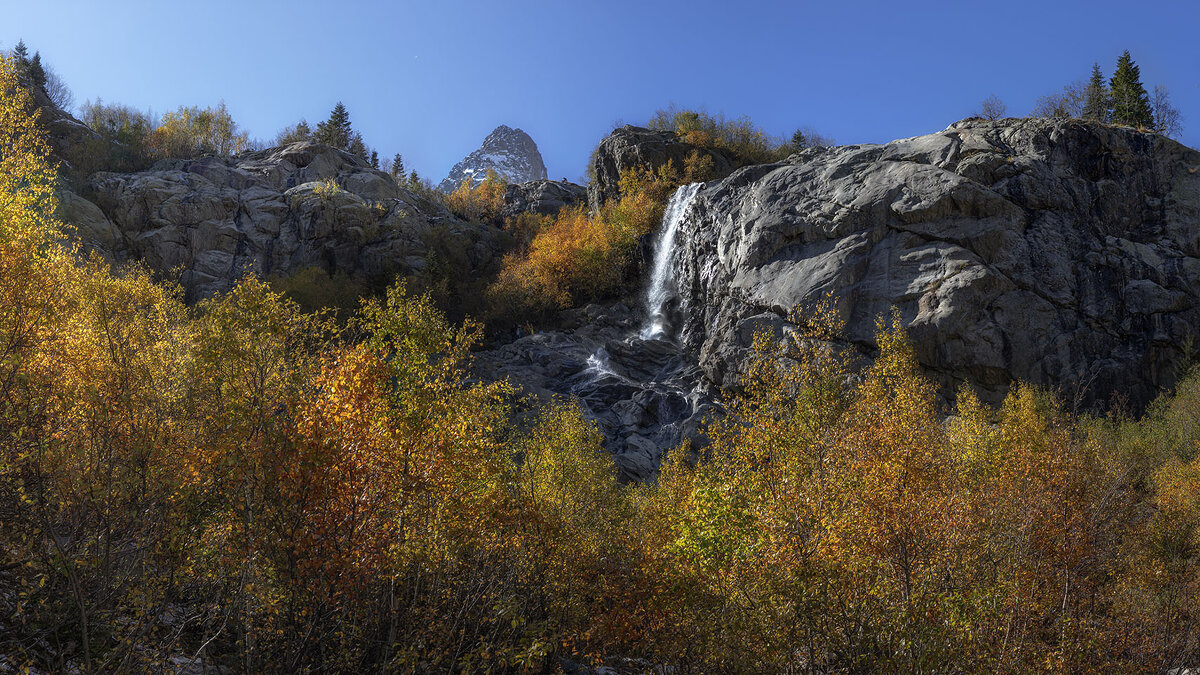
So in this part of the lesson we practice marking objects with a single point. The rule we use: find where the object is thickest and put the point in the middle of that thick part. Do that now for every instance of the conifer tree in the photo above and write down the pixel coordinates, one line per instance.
(397, 166)
(336, 130)
(21, 52)
(1130, 102)
(374, 159)
(1096, 98)
(36, 72)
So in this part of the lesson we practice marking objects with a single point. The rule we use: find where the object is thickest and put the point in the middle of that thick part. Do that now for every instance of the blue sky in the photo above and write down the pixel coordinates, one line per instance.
(431, 79)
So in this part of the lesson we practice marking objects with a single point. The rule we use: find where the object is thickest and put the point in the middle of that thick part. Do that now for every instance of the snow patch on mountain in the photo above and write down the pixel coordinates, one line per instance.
(510, 152)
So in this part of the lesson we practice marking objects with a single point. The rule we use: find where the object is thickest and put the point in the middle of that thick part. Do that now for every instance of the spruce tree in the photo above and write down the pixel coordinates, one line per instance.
(374, 160)
(335, 131)
(20, 54)
(1095, 97)
(36, 72)
(397, 166)
(1130, 102)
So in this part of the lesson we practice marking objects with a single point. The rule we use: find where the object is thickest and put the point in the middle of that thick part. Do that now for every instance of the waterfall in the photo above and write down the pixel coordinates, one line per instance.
(661, 286)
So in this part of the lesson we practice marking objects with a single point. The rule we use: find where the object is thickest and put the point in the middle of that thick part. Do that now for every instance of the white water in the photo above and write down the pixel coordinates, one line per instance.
(598, 363)
(661, 288)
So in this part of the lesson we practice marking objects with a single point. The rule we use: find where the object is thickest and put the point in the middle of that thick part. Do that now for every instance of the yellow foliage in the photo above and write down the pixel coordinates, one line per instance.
(193, 131)
(740, 139)
(478, 203)
(327, 189)
(245, 481)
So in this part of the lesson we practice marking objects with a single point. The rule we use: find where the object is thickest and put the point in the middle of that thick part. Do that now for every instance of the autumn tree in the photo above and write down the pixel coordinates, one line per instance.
(295, 133)
(740, 139)
(192, 132)
(1067, 103)
(124, 135)
(478, 203)
(1166, 116)
(992, 108)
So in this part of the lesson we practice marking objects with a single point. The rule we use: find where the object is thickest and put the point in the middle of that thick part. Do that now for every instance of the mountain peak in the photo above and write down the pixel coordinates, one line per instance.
(509, 152)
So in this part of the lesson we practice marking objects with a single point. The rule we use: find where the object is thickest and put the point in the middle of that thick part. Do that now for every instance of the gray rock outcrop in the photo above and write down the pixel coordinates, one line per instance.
(542, 197)
(631, 147)
(208, 222)
(511, 153)
(1058, 252)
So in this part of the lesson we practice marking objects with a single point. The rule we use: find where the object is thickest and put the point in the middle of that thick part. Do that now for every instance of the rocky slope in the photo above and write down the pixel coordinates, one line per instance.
(207, 222)
(1060, 252)
(510, 152)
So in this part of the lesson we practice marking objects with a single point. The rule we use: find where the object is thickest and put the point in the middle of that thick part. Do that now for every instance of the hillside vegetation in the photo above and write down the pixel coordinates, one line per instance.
(268, 490)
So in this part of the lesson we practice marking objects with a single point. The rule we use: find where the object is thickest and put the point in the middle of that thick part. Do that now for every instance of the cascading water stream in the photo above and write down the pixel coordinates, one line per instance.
(661, 286)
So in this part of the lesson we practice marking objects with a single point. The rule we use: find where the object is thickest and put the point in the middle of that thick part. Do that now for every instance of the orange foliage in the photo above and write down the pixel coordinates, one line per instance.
(478, 203)
(583, 256)
(249, 483)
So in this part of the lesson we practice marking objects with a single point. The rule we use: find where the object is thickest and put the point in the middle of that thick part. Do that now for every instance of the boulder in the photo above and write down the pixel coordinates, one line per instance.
(541, 197)
(631, 147)
(1058, 252)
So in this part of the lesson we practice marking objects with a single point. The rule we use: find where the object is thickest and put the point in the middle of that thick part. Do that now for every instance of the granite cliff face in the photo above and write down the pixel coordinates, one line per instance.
(1061, 253)
(510, 152)
(207, 222)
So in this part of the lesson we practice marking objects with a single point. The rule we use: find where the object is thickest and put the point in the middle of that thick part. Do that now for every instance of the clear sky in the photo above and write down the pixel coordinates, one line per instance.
(431, 79)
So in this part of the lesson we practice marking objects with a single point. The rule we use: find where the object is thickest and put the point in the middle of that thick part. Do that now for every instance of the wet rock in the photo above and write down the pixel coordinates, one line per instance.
(646, 396)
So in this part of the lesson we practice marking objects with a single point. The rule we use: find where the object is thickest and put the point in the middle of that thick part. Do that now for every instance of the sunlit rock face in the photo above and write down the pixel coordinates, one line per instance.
(208, 222)
(511, 153)
(1058, 252)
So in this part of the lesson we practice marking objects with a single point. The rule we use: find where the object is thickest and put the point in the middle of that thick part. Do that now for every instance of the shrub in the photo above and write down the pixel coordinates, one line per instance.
(740, 139)
(327, 189)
